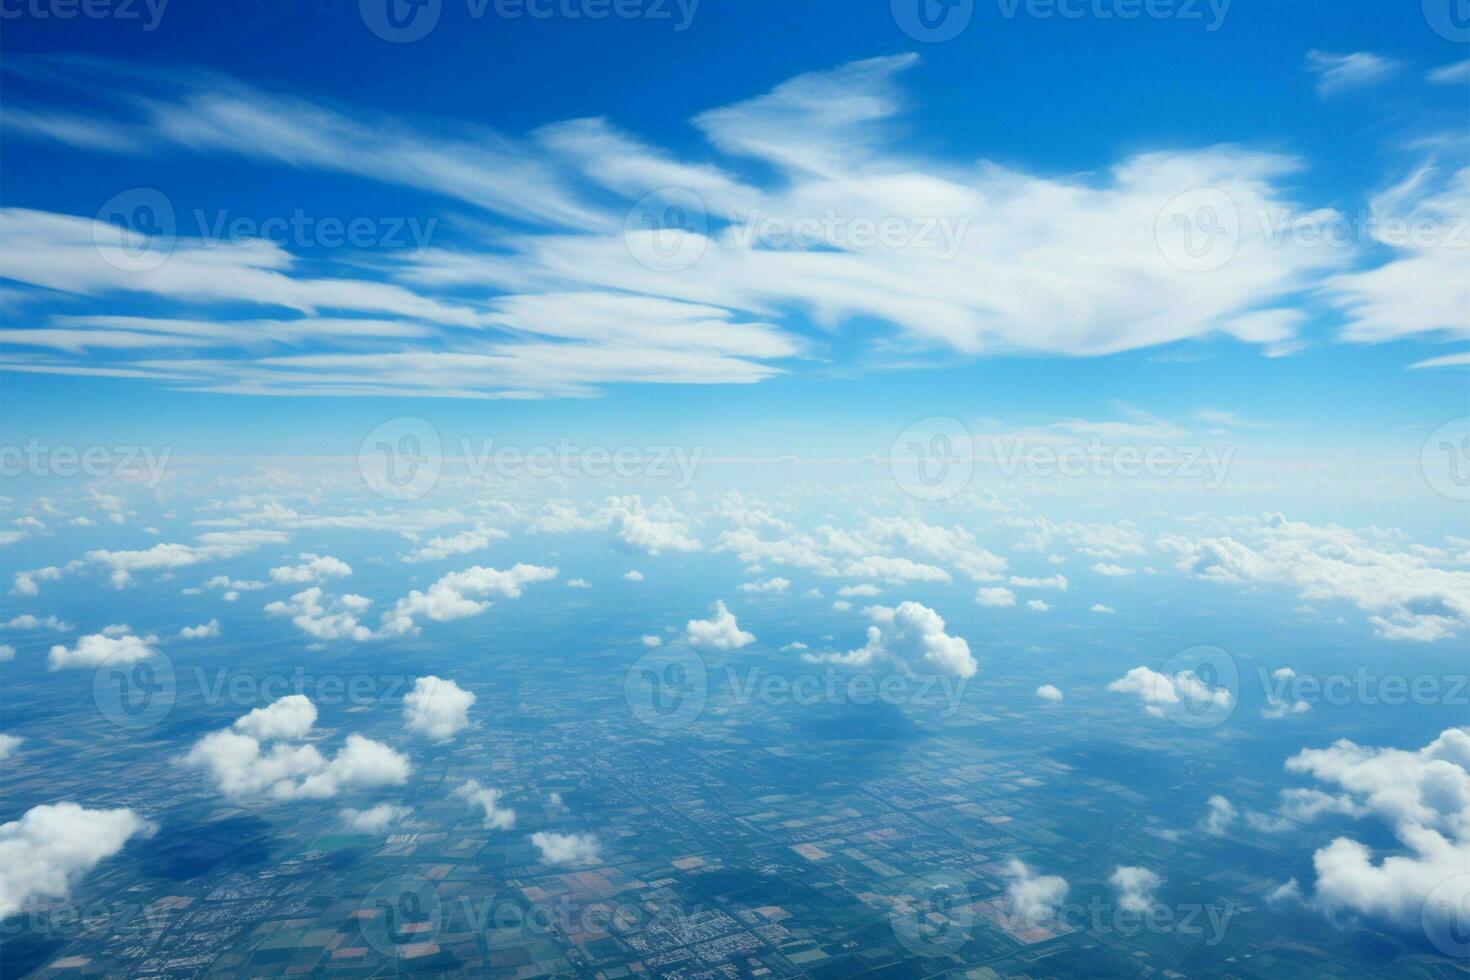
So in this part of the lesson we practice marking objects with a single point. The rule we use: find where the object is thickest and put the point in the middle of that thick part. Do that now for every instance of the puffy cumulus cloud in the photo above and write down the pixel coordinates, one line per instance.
(1408, 593)
(8, 745)
(1218, 818)
(910, 635)
(324, 617)
(290, 717)
(1033, 898)
(46, 851)
(996, 596)
(437, 708)
(375, 820)
(566, 848)
(1135, 887)
(1049, 692)
(461, 594)
(487, 801)
(633, 575)
(719, 632)
(7, 652)
(114, 645)
(477, 538)
(653, 530)
(201, 632)
(312, 568)
(1423, 796)
(242, 768)
(1038, 605)
(1111, 570)
(1158, 690)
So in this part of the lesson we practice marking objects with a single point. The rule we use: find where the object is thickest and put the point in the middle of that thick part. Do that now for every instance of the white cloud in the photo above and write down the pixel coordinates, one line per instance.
(1098, 607)
(290, 717)
(8, 745)
(769, 585)
(7, 652)
(1220, 816)
(1033, 899)
(242, 769)
(1407, 595)
(1423, 796)
(313, 569)
(212, 546)
(720, 632)
(325, 617)
(461, 594)
(375, 820)
(107, 647)
(865, 590)
(565, 848)
(1110, 570)
(200, 632)
(633, 576)
(650, 640)
(1135, 887)
(568, 288)
(1340, 72)
(487, 800)
(1037, 605)
(995, 596)
(1456, 73)
(1049, 692)
(1157, 690)
(29, 622)
(463, 543)
(1058, 582)
(910, 635)
(46, 851)
(578, 583)
(437, 708)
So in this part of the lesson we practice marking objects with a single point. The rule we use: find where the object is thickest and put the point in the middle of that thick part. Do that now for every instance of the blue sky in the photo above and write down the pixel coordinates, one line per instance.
(1309, 106)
